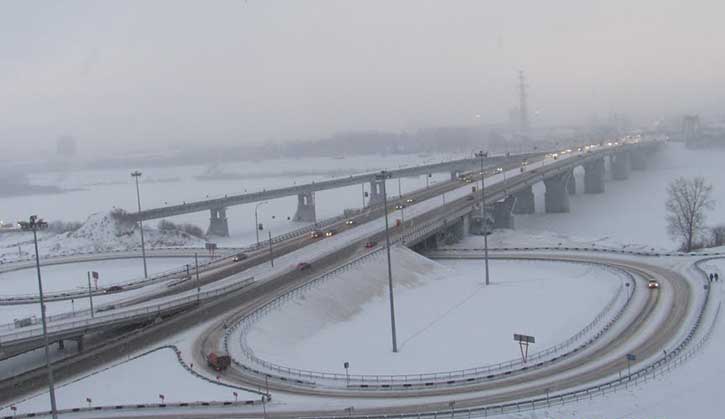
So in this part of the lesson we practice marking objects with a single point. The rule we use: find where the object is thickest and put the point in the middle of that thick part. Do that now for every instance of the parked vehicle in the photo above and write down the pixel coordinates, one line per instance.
(303, 266)
(218, 362)
(240, 256)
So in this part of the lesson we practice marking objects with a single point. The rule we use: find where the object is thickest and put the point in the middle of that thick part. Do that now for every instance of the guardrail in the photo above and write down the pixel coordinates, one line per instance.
(126, 315)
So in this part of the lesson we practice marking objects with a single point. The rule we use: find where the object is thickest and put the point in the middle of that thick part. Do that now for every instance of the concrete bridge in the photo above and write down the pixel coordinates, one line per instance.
(516, 196)
(219, 224)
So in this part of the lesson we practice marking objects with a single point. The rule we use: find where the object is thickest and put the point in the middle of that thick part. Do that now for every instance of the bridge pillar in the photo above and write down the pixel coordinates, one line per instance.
(79, 341)
(61, 345)
(524, 201)
(638, 159)
(594, 176)
(218, 225)
(376, 192)
(502, 217)
(306, 207)
(556, 198)
(620, 165)
(571, 184)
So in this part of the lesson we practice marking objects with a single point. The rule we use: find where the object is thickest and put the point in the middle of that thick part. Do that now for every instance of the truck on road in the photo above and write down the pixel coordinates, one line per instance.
(218, 362)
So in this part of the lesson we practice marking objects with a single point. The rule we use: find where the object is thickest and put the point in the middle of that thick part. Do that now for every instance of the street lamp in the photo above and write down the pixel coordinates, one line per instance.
(136, 174)
(484, 221)
(256, 220)
(34, 224)
(401, 207)
(384, 175)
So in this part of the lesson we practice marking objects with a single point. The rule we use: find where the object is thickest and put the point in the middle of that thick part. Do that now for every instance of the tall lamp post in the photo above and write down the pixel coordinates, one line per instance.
(136, 174)
(384, 175)
(256, 219)
(36, 223)
(484, 221)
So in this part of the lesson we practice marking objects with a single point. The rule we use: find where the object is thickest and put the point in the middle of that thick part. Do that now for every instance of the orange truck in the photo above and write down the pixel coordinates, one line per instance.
(218, 362)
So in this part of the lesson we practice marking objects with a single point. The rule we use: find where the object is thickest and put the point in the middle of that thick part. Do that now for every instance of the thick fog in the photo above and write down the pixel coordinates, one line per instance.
(138, 73)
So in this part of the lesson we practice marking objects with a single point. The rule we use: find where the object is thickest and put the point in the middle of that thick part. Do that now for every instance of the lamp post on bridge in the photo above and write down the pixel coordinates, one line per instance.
(484, 222)
(34, 224)
(137, 174)
(384, 176)
(256, 220)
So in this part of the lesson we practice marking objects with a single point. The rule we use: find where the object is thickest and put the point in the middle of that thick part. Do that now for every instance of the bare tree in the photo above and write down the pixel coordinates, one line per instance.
(687, 201)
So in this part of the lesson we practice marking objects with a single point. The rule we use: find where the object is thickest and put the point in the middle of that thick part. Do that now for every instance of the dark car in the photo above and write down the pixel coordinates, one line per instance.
(240, 256)
(114, 288)
(303, 266)
(316, 233)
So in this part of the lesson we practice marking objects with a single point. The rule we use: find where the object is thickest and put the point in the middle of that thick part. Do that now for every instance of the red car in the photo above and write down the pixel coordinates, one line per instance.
(370, 244)
(303, 265)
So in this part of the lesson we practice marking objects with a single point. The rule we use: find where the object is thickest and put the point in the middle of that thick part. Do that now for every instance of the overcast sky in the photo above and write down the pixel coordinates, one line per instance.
(160, 72)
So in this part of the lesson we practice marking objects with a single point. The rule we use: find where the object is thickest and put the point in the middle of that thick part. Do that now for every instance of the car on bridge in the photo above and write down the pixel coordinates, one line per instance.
(653, 284)
(331, 232)
(316, 234)
(349, 222)
(114, 288)
(371, 244)
(240, 257)
(409, 201)
(303, 266)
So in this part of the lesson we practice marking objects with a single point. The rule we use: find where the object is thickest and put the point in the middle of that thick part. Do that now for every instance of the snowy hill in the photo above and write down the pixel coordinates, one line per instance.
(101, 232)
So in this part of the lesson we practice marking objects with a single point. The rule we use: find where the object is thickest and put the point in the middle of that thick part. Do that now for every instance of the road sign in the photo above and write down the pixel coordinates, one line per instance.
(524, 341)
(524, 338)
(631, 357)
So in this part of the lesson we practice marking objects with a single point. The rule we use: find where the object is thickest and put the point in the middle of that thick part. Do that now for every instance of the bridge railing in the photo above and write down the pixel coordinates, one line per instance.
(126, 314)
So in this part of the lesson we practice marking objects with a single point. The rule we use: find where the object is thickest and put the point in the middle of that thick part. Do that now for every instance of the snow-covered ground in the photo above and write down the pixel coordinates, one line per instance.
(135, 381)
(73, 275)
(443, 314)
(690, 391)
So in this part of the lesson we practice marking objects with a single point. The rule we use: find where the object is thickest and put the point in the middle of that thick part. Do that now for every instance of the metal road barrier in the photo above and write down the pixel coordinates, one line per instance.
(125, 316)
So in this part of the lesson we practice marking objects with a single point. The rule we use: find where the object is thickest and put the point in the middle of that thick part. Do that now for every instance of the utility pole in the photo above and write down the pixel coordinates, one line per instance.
(90, 293)
(271, 253)
(136, 174)
(35, 222)
(256, 220)
(198, 288)
(484, 220)
(384, 175)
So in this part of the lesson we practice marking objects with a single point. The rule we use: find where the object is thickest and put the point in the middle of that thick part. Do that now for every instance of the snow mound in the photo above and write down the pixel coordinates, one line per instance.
(103, 232)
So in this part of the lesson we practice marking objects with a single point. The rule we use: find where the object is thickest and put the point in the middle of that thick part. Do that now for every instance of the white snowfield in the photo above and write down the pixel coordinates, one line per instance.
(433, 299)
